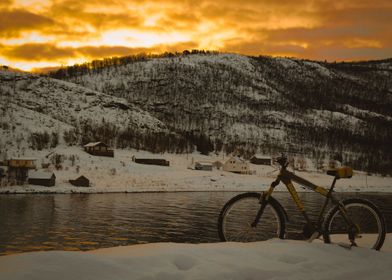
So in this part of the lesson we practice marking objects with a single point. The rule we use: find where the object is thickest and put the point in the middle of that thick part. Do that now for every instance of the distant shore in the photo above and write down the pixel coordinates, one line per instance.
(121, 175)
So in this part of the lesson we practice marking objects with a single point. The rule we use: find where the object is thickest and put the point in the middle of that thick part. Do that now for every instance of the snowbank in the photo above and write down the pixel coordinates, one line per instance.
(275, 259)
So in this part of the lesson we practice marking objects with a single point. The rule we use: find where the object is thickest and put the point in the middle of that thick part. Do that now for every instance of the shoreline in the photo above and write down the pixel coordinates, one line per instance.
(7, 192)
(119, 174)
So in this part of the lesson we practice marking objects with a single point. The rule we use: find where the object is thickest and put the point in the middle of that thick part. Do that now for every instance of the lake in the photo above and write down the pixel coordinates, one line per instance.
(31, 222)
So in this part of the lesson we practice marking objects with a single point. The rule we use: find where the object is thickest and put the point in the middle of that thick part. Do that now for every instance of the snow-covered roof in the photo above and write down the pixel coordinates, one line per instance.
(238, 159)
(22, 159)
(92, 144)
(203, 163)
(261, 156)
(40, 175)
(82, 177)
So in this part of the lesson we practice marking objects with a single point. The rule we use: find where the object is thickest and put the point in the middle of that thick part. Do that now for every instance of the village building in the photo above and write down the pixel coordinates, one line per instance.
(99, 149)
(261, 160)
(202, 165)
(300, 163)
(81, 181)
(236, 165)
(151, 161)
(18, 169)
(41, 178)
(218, 165)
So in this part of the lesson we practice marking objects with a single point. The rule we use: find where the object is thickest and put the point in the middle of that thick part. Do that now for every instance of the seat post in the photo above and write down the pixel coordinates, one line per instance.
(329, 196)
(333, 185)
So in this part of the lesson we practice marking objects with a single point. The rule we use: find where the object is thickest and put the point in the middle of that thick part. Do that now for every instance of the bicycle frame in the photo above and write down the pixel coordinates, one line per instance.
(287, 178)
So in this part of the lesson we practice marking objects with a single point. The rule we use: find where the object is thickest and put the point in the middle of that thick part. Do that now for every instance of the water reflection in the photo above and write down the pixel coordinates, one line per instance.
(90, 221)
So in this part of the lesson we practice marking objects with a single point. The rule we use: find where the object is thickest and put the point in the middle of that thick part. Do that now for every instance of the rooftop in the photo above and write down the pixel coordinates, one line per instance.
(40, 175)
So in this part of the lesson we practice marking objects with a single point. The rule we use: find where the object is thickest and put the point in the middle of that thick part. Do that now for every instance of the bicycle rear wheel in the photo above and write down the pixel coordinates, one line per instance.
(369, 225)
(237, 216)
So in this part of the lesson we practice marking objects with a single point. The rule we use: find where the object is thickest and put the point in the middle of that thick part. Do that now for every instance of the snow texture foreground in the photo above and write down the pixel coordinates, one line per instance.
(274, 259)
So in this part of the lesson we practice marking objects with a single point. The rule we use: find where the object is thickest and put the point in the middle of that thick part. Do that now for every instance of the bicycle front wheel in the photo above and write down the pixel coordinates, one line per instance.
(239, 213)
(368, 229)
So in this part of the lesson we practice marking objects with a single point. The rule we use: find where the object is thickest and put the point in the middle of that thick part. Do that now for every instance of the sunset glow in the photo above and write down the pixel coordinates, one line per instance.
(38, 33)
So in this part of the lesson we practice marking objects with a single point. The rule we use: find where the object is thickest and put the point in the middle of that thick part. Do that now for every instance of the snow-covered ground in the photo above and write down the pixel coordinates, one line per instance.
(120, 174)
(275, 259)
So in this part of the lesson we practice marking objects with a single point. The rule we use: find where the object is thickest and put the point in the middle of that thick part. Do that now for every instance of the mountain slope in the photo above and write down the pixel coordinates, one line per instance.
(39, 112)
(259, 104)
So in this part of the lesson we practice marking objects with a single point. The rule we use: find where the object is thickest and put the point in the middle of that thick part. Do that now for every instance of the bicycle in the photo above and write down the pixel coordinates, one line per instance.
(254, 216)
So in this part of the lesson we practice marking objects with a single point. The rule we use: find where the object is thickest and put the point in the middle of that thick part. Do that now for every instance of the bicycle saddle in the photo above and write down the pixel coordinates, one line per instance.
(341, 172)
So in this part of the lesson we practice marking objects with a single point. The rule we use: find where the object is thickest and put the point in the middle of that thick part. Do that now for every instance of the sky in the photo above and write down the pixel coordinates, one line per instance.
(37, 33)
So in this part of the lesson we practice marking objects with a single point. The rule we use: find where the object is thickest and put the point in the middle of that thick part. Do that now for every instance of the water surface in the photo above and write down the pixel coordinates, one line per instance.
(31, 222)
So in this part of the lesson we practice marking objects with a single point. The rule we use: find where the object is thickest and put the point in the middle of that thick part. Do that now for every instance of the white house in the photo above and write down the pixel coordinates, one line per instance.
(236, 165)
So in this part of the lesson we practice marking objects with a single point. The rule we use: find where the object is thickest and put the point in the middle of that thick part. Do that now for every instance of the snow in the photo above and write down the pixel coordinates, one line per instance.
(318, 68)
(40, 175)
(120, 174)
(239, 62)
(364, 113)
(325, 118)
(274, 259)
(286, 62)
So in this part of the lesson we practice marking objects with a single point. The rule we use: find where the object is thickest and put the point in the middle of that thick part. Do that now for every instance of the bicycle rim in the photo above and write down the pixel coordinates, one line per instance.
(368, 230)
(239, 216)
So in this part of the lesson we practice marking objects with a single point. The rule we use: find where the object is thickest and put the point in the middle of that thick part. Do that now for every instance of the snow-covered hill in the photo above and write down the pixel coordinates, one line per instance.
(40, 112)
(259, 103)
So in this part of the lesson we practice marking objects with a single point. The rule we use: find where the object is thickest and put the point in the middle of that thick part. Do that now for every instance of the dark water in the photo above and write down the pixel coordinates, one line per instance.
(89, 221)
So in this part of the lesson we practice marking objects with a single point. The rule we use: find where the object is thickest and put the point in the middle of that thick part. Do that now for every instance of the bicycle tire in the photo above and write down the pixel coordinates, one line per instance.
(243, 217)
(371, 220)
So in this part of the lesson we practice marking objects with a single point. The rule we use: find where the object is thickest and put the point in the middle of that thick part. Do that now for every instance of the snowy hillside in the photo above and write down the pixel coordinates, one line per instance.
(40, 112)
(258, 104)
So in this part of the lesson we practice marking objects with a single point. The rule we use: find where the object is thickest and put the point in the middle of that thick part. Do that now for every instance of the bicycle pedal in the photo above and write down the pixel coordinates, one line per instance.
(345, 245)
(314, 235)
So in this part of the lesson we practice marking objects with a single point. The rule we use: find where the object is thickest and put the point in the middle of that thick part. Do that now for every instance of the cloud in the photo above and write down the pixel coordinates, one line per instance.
(13, 22)
(36, 52)
(50, 52)
(78, 29)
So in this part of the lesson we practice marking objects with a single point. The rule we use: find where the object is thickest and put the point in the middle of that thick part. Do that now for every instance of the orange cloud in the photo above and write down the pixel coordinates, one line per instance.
(13, 22)
(64, 31)
(44, 52)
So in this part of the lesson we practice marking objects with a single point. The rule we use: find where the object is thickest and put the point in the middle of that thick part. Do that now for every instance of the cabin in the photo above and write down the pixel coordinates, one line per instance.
(99, 149)
(29, 163)
(151, 161)
(41, 178)
(206, 166)
(236, 165)
(300, 163)
(81, 181)
(218, 165)
(261, 160)
(18, 168)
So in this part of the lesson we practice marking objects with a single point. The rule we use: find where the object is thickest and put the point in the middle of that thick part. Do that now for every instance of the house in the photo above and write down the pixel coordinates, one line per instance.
(261, 160)
(236, 165)
(41, 178)
(99, 149)
(300, 163)
(29, 163)
(81, 181)
(217, 164)
(200, 165)
(151, 161)
(18, 168)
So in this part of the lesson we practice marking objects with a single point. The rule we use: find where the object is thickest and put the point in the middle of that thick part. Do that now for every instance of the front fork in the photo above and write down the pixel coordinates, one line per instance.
(353, 229)
(264, 200)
